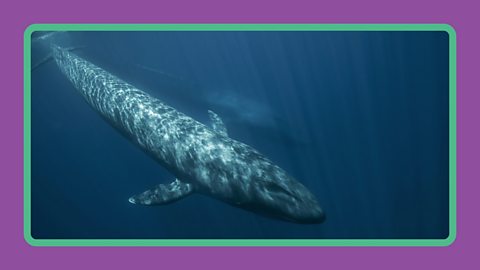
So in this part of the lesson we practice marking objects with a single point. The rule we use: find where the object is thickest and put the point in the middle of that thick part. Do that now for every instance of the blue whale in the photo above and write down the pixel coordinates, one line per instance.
(203, 159)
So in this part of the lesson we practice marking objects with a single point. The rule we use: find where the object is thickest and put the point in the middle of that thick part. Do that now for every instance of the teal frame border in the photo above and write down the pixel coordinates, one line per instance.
(241, 242)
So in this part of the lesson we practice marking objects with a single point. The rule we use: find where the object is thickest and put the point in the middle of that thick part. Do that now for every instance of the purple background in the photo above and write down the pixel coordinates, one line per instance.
(16, 16)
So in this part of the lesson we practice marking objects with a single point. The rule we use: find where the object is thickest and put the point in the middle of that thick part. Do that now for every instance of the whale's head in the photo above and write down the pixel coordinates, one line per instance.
(289, 200)
(240, 175)
(276, 194)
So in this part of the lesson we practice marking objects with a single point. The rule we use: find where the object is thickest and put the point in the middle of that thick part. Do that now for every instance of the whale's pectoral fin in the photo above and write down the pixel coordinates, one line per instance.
(217, 123)
(163, 194)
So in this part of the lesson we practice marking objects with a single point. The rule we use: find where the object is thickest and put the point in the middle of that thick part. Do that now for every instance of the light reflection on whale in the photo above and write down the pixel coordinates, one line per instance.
(203, 159)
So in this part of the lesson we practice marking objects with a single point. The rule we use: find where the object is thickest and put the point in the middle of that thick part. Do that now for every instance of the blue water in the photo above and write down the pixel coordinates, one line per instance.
(360, 118)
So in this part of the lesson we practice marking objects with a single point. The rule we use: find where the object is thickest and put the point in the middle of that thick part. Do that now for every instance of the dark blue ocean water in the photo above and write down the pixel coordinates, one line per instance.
(360, 118)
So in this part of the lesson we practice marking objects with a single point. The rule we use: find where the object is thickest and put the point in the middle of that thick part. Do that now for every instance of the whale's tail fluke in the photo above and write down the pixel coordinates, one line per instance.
(163, 194)
(42, 36)
(42, 43)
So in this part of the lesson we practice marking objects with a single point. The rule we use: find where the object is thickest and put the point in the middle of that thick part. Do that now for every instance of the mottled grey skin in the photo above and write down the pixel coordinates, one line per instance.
(204, 160)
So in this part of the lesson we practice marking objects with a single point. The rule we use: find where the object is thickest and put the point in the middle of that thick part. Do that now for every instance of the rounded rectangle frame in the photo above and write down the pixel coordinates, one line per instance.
(240, 242)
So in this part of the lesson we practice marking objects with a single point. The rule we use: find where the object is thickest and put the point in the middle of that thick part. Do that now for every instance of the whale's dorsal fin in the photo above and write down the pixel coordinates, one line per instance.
(163, 194)
(217, 123)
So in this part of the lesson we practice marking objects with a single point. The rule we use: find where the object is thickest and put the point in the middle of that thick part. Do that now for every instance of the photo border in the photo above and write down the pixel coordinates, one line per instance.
(241, 242)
